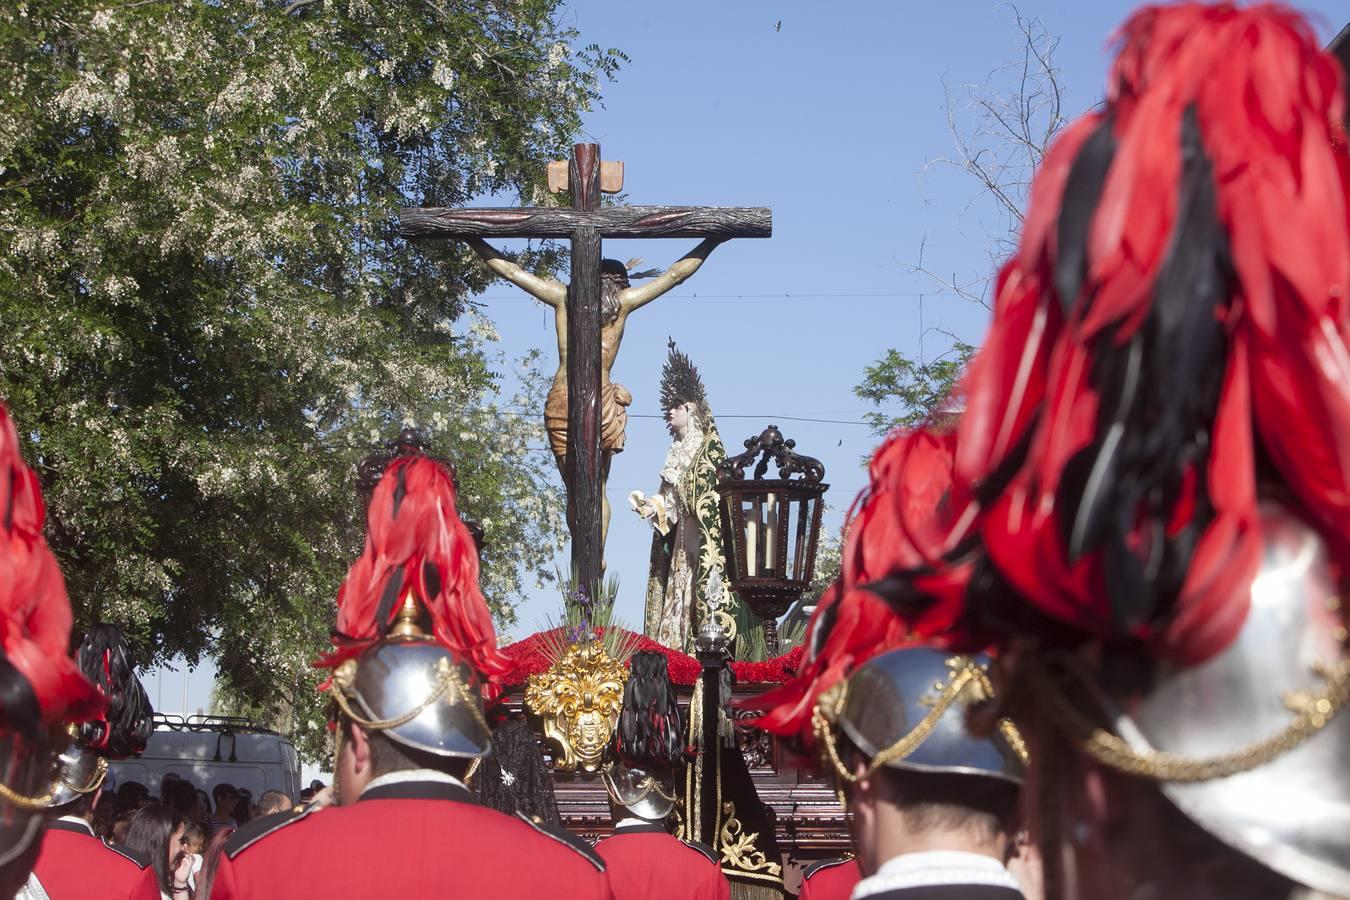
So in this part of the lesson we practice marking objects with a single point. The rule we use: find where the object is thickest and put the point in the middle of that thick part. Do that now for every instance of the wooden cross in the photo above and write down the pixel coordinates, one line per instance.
(585, 223)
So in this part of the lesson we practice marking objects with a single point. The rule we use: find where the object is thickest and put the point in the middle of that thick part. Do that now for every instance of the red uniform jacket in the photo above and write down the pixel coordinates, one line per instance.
(646, 862)
(412, 840)
(830, 879)
(75, 865)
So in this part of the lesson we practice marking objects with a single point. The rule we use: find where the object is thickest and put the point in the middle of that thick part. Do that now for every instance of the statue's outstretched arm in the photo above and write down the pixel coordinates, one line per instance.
(635, 297)
(546, 289)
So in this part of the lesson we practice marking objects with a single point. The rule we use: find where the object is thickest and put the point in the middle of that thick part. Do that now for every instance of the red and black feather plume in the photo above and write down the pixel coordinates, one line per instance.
(1187, 319)
(416, 545)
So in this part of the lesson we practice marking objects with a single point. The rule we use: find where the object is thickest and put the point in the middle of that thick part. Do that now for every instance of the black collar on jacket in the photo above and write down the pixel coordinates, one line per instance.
(419, 790)
(644, 828)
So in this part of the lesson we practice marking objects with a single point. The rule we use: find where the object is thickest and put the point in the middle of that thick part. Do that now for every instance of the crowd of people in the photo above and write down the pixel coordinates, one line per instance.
(181, 831)
(1088, 640)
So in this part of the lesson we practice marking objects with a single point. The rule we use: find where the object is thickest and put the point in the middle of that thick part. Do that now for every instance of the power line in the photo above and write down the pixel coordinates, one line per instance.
(768, 418)
(786, 295)
(765, 417)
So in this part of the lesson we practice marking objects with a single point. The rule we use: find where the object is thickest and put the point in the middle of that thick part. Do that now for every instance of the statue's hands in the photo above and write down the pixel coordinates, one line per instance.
(651, 508)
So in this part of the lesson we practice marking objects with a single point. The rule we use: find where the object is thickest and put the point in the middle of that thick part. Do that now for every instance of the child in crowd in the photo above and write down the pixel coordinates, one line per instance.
(195, 835)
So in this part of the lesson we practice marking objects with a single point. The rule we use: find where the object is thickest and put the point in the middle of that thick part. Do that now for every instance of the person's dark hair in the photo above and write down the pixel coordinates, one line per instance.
(272, 801)
(981, 807)
(105, 659)
(149, 833)
(529, 787)
(105, 813)
(650, 734)
(83, 805)
(224, 790)
(130, 795)
(243, 809)
(210, 861)
(180, 797)
(390, 756)
(118, 834)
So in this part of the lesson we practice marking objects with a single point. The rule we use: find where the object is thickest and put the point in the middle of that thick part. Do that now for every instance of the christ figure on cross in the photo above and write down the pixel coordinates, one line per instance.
(617, 300)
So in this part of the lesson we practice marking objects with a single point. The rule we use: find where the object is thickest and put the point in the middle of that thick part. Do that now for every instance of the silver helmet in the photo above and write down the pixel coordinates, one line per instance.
(81, 772)
(418, 693)
(647, 795)
(1254, 750)
(907, 709)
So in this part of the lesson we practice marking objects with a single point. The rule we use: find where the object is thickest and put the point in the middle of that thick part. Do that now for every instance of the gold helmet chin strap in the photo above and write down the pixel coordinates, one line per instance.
(647, 786)
(48, 800)
(1311, 712)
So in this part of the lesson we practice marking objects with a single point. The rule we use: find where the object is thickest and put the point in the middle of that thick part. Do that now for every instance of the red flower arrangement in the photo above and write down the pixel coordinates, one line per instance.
(528, 657)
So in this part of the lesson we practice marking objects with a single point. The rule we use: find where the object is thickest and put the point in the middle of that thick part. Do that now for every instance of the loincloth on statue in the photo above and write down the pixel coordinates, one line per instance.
(614, 400)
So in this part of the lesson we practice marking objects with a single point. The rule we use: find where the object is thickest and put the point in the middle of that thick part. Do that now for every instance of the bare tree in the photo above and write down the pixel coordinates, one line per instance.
(1000, 129)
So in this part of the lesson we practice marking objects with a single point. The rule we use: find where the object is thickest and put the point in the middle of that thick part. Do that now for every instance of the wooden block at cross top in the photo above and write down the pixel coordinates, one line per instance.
(611, 176)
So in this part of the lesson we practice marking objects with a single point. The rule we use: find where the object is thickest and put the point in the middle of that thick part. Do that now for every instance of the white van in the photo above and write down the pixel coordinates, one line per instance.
(210, 750)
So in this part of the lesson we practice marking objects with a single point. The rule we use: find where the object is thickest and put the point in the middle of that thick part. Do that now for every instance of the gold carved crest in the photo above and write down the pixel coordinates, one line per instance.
(579, 699)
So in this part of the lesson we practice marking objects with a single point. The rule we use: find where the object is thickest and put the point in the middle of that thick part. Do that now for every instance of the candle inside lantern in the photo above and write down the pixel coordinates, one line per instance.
(771, 533)
(751, 544)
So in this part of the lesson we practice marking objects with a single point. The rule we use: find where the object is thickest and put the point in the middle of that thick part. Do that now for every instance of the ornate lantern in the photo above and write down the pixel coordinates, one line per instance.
(770, 526)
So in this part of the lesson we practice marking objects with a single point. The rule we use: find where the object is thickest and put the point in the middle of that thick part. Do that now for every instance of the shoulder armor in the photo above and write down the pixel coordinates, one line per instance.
(820, 865)
(247, 835)
(704, 849)
(140, 859)
(562, 836)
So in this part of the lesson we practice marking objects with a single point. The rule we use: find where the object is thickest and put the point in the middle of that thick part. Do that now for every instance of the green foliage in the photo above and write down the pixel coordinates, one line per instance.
(791, 634)
(906, 391)
(829, 558)
(207, 315)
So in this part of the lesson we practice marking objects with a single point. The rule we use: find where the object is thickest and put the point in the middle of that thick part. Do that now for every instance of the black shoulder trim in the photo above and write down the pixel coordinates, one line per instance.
(140, 859)
(565, 837)
(705, 850)
(247, 835)
(822, 864)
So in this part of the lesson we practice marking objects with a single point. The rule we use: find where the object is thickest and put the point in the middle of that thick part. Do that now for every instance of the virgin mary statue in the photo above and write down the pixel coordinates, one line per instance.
(685, 582)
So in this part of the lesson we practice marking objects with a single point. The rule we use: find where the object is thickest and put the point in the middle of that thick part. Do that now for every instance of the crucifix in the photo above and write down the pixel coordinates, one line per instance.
(586, 346)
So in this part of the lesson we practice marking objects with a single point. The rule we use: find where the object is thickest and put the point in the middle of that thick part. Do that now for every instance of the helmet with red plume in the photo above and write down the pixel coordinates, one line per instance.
(414, 638)
(40, 686)
(1159, 413)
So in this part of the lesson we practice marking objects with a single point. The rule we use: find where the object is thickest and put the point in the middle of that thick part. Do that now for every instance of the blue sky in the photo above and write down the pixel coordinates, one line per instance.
(834, 119)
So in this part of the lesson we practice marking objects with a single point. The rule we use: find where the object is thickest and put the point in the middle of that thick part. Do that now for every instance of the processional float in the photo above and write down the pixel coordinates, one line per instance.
(753, 555)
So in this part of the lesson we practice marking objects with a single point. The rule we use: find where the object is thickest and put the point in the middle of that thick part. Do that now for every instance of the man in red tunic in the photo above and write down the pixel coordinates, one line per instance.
(830, 879)
(643, 858)
(414, 639)
(74, 863)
